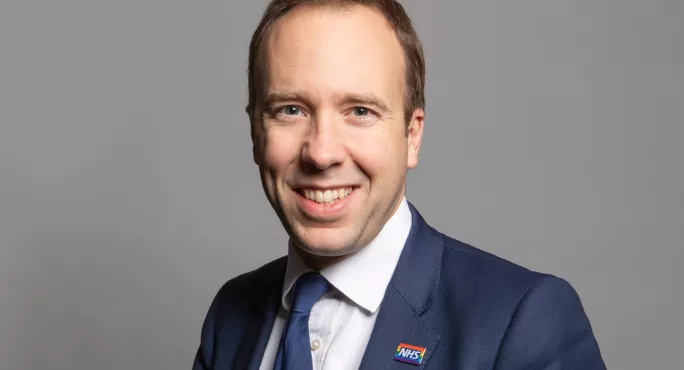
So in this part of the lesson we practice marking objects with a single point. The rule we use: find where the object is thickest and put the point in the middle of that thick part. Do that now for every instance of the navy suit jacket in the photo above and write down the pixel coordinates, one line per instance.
(468, 308)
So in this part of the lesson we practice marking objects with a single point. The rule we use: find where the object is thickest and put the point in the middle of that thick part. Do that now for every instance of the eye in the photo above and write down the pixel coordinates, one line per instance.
(360, 111)
(291, 110)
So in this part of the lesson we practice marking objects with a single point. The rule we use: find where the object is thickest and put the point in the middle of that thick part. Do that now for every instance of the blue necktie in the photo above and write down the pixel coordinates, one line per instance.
(294, 351)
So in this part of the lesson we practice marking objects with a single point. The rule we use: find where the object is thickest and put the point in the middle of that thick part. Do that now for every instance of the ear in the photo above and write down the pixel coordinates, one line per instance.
(255, 154)
(414, 133)
(255, 151)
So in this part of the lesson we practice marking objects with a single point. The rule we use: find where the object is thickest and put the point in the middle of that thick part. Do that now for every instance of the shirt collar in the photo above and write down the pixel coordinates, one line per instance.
(362, 277)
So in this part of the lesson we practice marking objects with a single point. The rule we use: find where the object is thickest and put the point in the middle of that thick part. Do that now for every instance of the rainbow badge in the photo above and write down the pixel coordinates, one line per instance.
(409, 354)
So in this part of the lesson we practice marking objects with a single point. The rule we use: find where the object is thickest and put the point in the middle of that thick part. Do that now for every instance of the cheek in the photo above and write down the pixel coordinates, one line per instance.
(279, 148)
(382, 155)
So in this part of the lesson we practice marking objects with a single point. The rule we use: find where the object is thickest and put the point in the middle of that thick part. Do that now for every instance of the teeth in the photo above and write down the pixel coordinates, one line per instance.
(327, 196)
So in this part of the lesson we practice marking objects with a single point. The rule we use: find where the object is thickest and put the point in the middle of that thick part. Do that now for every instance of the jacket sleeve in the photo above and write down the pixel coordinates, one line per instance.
(549, 331)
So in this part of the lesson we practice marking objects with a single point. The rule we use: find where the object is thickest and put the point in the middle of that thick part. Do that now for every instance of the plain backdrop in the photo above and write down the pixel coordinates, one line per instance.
(128, 194)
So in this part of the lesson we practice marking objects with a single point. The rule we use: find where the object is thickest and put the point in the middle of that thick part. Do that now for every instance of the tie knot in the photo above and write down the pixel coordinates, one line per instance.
(307, 290)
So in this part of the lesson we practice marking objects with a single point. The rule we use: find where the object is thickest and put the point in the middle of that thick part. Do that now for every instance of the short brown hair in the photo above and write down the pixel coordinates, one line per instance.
(397, 18)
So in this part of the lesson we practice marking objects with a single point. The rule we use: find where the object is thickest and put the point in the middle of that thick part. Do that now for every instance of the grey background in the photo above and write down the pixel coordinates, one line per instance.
(128, 195)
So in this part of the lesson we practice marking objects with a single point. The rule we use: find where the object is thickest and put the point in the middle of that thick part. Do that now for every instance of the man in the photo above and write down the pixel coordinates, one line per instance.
(337, 111)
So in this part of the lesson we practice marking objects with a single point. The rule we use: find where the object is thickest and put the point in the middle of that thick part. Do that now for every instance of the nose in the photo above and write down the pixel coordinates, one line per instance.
(324, 147)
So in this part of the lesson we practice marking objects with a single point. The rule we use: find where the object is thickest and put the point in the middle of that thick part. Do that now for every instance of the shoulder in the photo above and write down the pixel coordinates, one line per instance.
(235, 301)
(492, 281)
(238, 297)
(538, 317)
(487, 267)
(251, 286)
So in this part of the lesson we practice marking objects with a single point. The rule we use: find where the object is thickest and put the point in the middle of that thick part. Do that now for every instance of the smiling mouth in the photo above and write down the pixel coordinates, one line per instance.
(329, 196)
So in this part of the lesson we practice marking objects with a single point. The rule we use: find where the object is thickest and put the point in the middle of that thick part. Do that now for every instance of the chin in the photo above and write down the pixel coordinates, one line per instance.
(326, 244)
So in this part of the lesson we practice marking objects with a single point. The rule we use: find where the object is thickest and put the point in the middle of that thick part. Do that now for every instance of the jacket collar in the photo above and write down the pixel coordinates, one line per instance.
(418, 270)
(409, 295)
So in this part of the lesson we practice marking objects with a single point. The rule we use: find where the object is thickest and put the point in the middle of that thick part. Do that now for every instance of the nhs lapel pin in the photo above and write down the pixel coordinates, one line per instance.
(409, 354)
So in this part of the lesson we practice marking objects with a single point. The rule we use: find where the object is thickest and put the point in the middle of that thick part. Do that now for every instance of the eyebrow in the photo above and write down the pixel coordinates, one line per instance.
(344, 98)
(280, 96)
(363, 99)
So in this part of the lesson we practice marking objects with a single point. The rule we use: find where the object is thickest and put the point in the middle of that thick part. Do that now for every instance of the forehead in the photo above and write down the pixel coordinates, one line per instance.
(328, 51)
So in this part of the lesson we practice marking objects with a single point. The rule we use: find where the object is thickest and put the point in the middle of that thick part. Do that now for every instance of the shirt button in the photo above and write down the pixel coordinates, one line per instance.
(315, 344)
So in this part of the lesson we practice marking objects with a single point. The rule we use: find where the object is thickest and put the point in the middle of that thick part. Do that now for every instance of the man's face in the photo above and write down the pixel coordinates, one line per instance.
(329, 127)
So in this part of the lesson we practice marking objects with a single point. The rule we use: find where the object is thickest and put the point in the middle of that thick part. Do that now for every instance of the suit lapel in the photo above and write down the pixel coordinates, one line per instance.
(260, 331)
(259, 324)
(407, 298)
(396, 323)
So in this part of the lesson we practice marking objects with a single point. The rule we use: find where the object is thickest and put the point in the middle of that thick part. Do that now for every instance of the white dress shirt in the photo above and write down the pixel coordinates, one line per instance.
(341, 321)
